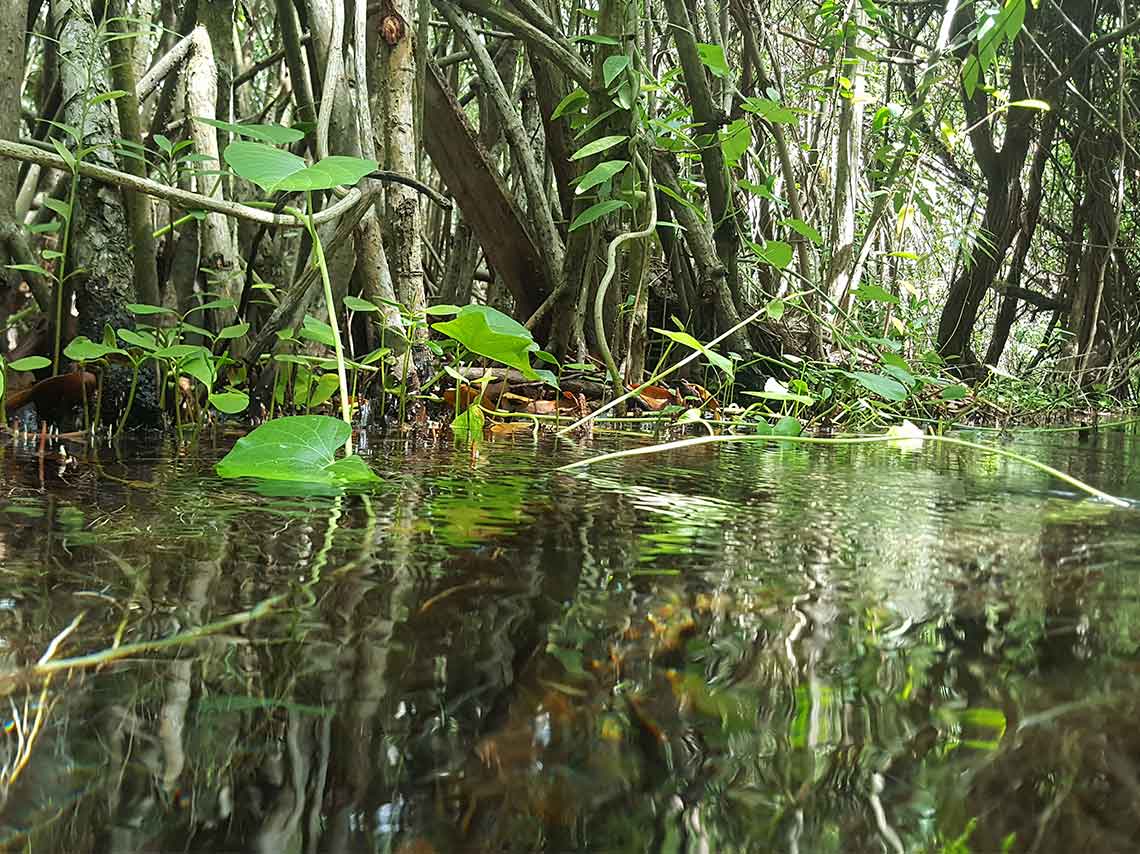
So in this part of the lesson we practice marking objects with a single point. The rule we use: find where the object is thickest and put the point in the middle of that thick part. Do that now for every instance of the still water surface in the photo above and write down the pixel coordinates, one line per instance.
(725, 649)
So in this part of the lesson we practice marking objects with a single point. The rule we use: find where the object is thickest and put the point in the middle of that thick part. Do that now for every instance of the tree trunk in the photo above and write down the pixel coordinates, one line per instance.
(99, 241)
(393, 77)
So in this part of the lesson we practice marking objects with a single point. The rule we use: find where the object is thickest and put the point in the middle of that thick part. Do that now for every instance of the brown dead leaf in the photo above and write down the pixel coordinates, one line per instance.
(655, 397)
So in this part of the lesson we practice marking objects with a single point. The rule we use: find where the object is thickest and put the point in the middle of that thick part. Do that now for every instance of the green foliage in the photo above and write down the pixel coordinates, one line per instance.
(274, 169)
(300, 448)
(488, 332)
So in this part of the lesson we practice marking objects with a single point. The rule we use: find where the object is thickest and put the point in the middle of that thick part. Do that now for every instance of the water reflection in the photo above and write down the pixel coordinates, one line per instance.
(729, 649)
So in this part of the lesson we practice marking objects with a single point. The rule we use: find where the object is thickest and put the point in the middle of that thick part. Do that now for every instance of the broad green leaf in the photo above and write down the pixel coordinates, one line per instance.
(138, 339)
(769, 110)
(712, 57)
(596, 212)
(230, 402)
(300, 448)
(613, 66)
(901, 374)
(775, 309)
(276, 134)
(60, 207)
(788, 426)
(884, 386)
(597, 146)
(316, 330)
(955, 392)
(327, 386)
(201, 368)
(333, 171)
(30, 363)
(83, 349)
(488, 332)
(357, 304)
(262, 164)
(873, 293)
(734, 141)
(601, 173)
(237, 330)
(802, 228)
(774, 252)
(443, 309)
(570, 101)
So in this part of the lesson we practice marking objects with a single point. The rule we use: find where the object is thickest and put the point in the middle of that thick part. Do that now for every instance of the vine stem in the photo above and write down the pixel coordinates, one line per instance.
(853, 440)
(330, 305)
(611, 269)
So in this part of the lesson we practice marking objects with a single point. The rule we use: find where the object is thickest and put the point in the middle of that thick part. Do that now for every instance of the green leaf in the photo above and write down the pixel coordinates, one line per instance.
(224, 303)
(488, 332)
(1031, 104)
(333, 171)
(774, 252)
(237, 330)
(64, 153)
(901, 374)
(596, 212)
(769, 110)
(28, 268)
(596, 39)
(299, 448)
(955, 392)
(886, 387)
(357, 304)
(734, 141)
(873, 293)
(576, 96)
(83, 349)
(688, 340)
(201, 368)
(444, 309)
(327, 386)
(113, 95)
(316, 330)
(469, 422)
(775, 309)
(30, 363)
(613, 66)
(601, 173)
(712, 57)
(802, 228)
(230, 402)
(138, 339)
(60, 207)
(788, 426)
(144, 309)
(276, 134)
(262, 164)
(597, 146)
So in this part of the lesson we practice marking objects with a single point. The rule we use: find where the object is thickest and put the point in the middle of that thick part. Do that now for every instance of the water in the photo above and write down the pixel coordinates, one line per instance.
(722, 649)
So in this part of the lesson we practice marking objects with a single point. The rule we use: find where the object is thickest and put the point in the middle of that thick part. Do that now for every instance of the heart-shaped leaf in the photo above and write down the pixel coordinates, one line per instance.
(299, 448)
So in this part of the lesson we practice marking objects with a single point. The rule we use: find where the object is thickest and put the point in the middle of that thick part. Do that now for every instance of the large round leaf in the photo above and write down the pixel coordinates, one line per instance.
(488, 332)
(300, 448)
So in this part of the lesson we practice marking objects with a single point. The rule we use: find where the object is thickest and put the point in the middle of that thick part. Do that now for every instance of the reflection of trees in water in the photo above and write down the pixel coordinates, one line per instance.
(622, 670)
